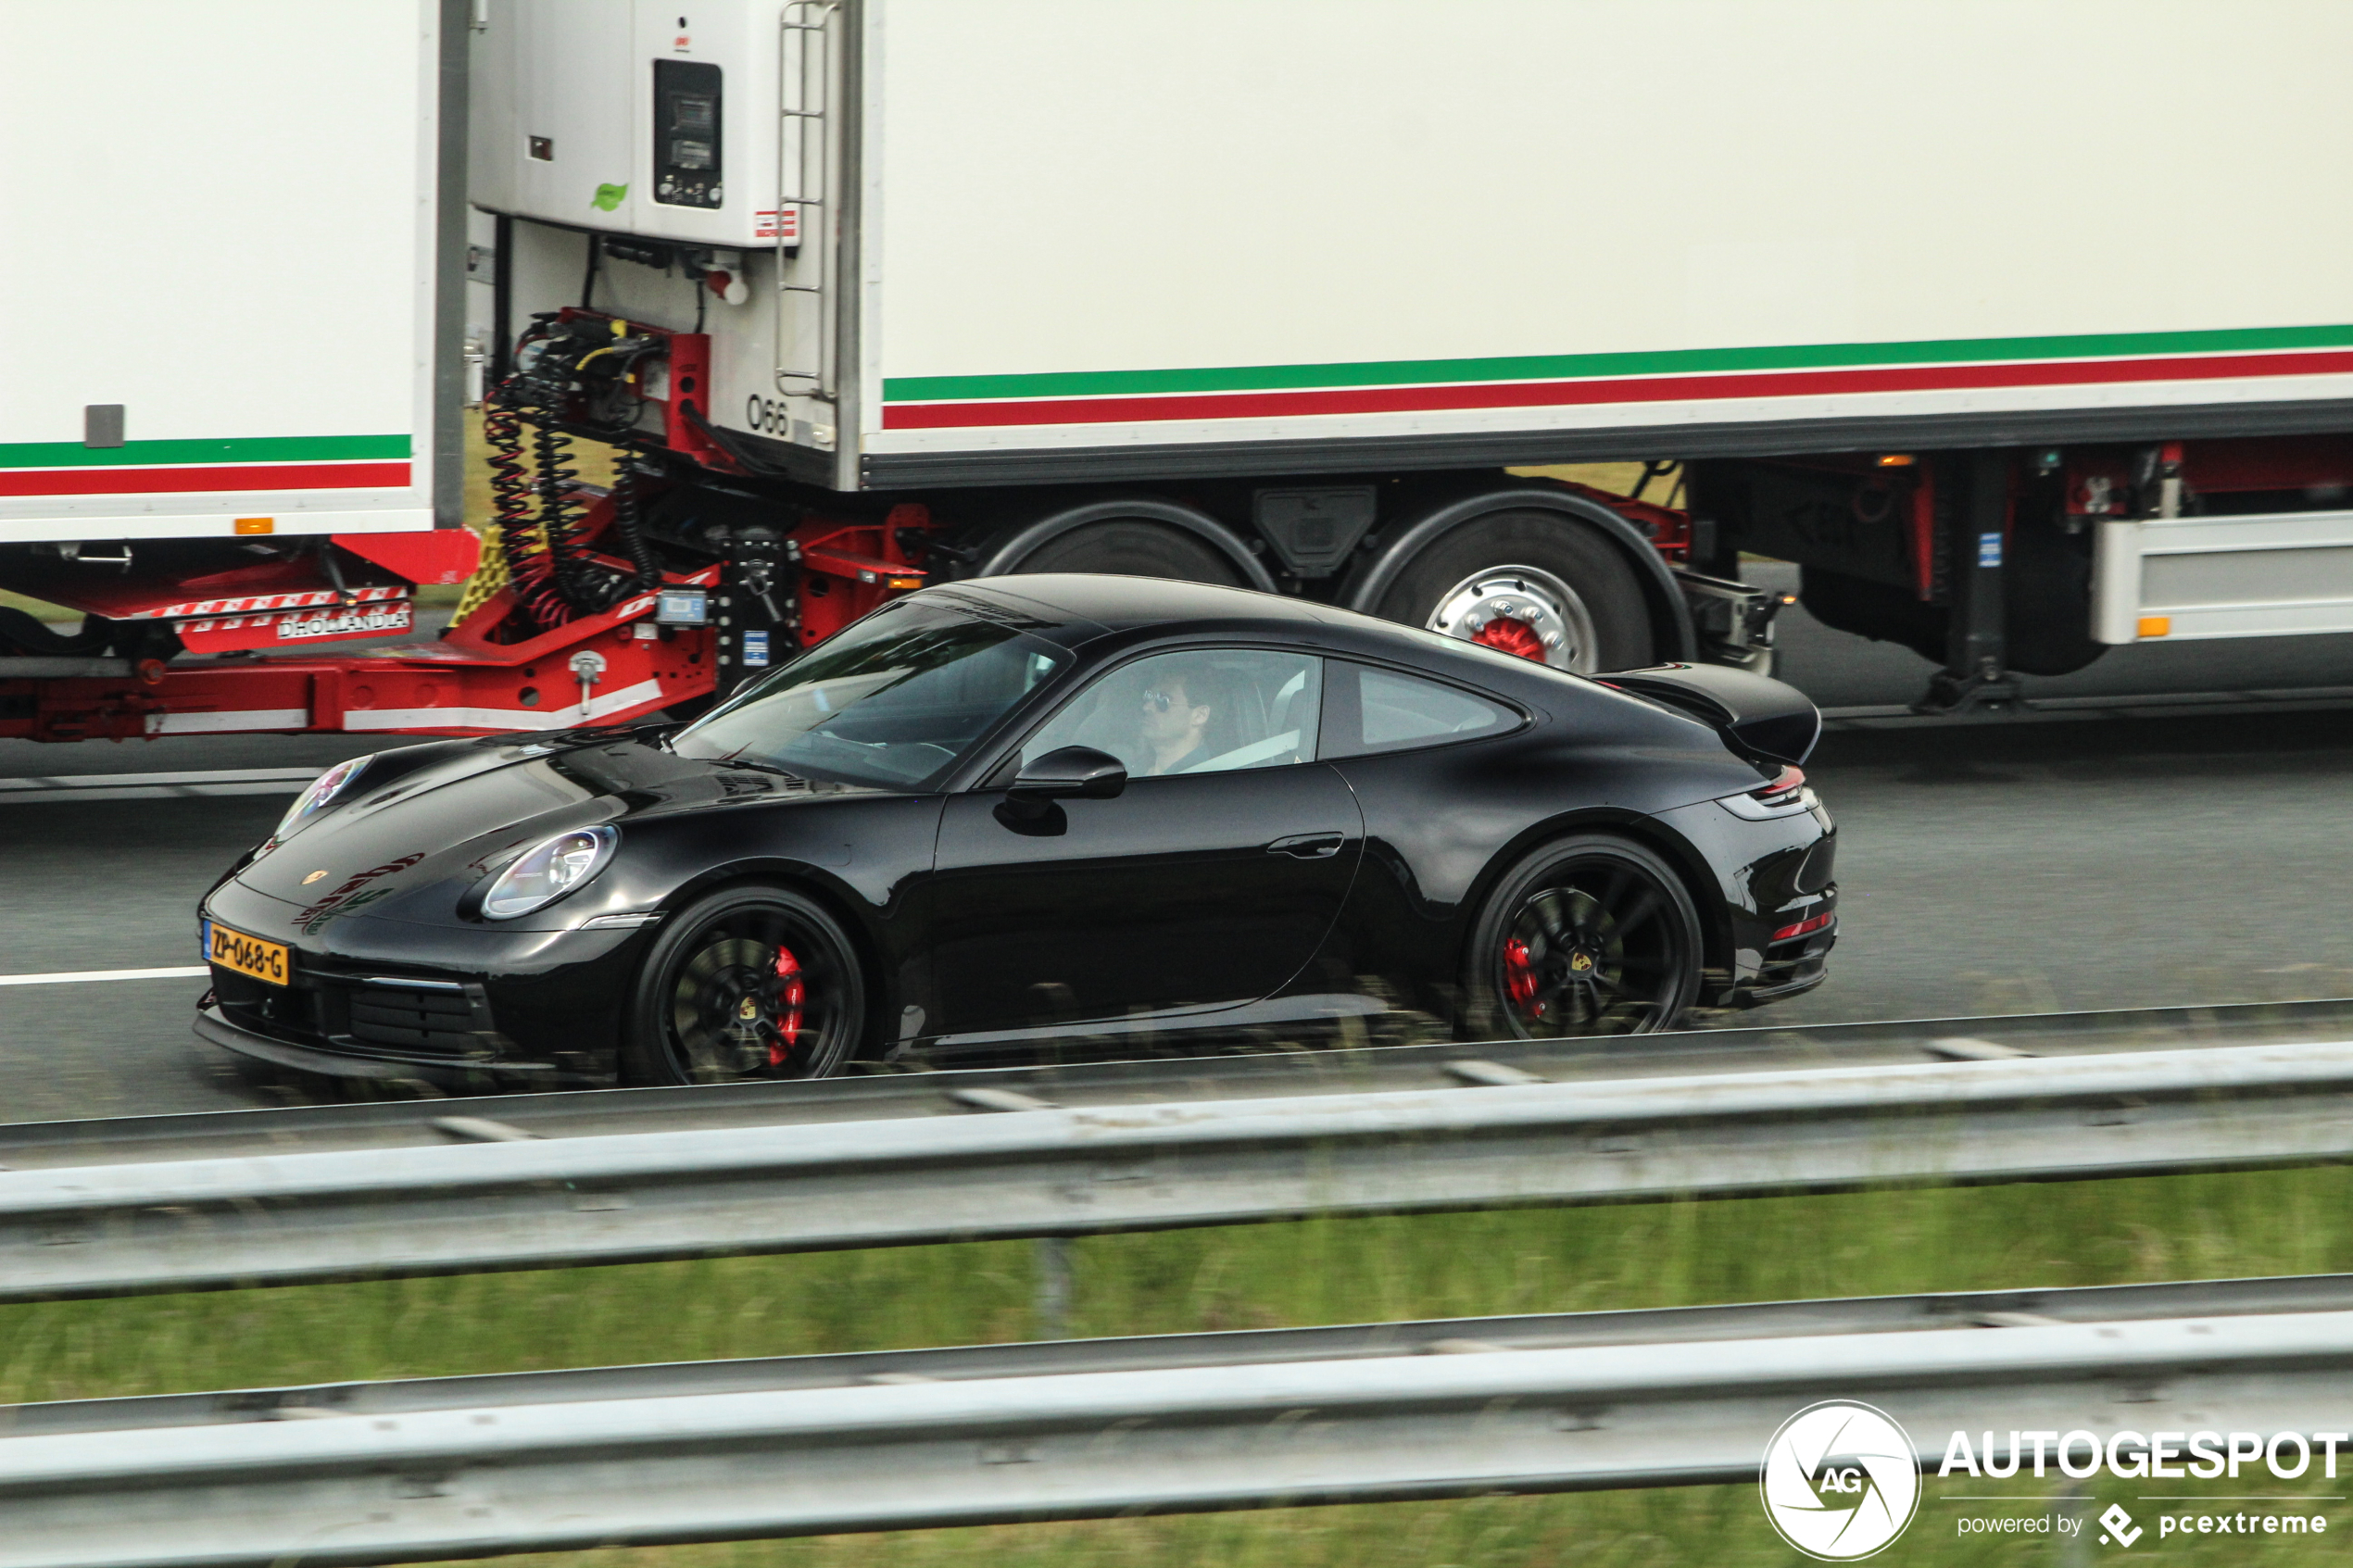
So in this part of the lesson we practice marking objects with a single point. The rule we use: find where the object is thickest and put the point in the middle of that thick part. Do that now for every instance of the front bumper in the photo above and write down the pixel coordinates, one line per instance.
(387, 999)
(214, 1027)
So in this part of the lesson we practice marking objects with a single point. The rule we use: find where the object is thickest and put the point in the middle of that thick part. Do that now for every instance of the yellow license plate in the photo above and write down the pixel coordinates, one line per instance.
(250, 955)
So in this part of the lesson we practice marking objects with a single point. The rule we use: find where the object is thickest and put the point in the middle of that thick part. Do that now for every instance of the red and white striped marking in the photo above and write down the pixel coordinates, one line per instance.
(253, 602)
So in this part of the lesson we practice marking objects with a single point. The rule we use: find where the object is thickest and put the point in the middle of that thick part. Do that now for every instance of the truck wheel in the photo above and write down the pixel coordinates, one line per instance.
(1590, 934)
(748, 983)
(1532, 582)
(1134, 548)
(1128, 537)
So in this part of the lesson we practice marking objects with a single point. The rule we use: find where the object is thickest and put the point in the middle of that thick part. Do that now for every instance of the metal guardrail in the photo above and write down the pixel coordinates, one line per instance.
(1502, 1138)
(416, 1471)
(411, 1123)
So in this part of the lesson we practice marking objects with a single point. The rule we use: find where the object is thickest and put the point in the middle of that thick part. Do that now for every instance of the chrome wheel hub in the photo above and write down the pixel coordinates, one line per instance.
(1520, 610)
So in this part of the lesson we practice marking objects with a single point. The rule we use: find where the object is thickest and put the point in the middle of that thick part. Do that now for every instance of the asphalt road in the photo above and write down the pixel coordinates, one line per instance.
(2150, 858)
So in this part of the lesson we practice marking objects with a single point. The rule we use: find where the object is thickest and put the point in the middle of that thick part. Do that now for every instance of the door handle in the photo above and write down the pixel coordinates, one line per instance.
(1309, 845)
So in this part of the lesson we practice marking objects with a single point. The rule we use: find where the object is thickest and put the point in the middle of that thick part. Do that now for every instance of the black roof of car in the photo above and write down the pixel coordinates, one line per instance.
(1077, 608)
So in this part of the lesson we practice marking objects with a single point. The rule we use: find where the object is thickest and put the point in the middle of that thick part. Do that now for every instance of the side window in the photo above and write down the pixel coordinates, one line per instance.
(1204, 710)
(1380, 710)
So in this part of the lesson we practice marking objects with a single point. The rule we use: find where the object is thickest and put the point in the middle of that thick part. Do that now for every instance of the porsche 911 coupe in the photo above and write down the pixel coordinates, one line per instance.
(1069, 813)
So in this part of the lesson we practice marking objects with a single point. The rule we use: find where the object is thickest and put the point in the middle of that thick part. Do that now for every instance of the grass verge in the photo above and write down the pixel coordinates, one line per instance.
(1324, 1271)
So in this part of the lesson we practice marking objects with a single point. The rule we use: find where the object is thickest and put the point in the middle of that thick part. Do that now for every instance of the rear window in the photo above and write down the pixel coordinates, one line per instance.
(1370, 710)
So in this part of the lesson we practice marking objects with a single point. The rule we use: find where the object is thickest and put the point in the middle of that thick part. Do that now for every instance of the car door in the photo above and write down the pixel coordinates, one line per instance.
(1208, 883)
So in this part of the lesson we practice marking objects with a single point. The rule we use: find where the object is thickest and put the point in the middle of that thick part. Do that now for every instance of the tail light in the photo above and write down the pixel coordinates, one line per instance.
(1783, 790)
(1786, 797)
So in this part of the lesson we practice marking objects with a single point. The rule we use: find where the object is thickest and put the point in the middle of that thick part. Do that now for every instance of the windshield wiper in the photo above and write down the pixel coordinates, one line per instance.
(746, 762)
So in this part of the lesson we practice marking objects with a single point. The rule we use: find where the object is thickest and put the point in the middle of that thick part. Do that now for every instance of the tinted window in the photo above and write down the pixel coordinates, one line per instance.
(1204, 710)
(890, 701)
(1381, 710)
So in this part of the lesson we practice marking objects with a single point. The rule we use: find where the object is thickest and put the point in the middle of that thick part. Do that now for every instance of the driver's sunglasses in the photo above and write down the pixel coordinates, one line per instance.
(1159, 702)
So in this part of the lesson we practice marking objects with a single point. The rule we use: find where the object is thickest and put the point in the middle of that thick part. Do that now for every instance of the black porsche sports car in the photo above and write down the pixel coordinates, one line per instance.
(1110, 813)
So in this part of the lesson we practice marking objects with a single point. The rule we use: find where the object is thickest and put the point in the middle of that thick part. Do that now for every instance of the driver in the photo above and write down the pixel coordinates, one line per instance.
(1175, 724)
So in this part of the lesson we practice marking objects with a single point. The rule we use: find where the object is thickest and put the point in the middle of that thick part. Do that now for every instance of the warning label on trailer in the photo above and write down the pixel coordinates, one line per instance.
(357, 620)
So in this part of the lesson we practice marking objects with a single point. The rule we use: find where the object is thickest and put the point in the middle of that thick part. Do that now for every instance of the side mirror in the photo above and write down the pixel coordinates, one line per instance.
(1075, 772)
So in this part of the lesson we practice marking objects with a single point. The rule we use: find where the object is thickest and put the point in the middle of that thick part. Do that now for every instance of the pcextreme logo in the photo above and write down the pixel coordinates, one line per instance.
(1840, 1480)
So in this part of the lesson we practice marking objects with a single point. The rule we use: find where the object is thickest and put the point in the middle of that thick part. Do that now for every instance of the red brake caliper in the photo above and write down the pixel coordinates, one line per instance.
(1512, 636)
(1519, 974)
(790, 992)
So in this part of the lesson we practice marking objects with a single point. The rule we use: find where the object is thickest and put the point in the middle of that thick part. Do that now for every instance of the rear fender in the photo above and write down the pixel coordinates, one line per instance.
(1698, 878)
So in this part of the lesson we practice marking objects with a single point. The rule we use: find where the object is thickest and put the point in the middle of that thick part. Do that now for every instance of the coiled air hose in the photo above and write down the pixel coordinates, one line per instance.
(537, 519)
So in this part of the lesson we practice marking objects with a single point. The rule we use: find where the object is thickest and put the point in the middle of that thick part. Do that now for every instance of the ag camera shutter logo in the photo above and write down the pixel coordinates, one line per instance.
(1840, 1480)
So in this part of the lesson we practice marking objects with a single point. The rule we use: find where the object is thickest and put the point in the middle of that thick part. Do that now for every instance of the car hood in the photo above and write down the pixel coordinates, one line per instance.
(426, 824)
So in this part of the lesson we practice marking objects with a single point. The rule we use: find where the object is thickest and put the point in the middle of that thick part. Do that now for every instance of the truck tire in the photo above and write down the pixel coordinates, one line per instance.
(1135, 536)
(1134, 548)
(1537, 583)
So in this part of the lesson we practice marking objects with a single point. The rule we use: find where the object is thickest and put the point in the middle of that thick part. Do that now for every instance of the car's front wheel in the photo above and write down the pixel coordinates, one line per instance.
(745, 983)
(1590, 934)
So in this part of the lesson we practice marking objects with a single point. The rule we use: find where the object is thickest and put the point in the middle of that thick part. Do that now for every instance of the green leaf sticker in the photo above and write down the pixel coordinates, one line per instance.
(609, 197)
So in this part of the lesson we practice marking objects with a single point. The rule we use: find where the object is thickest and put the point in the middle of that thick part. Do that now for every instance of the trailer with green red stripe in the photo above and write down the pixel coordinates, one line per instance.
(230, 447)
(1291, 294)
(1279, 295)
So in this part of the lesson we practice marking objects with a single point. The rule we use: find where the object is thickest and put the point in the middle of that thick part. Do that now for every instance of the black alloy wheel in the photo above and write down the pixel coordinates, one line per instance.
(747, 983)
(1589, 936)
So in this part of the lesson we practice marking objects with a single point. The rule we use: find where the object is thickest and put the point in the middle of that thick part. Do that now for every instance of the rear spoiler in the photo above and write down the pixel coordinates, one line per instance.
(1759, 717)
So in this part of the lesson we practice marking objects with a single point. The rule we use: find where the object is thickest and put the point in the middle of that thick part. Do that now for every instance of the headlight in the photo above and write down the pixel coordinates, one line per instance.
(321, 790)
(548, 871)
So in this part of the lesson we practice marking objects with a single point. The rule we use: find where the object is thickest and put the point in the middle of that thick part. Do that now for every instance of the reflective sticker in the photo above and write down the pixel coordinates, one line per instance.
(1989, 549)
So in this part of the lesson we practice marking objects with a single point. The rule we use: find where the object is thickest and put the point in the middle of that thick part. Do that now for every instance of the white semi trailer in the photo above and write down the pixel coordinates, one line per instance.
(233, 246)
(1271, 291)
(2023, 329)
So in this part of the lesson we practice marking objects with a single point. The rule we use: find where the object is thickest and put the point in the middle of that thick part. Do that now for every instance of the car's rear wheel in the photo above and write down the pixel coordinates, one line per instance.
(747, 983)
(1591, 935)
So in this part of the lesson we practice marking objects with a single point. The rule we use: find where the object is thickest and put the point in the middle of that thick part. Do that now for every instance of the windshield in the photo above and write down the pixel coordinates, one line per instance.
(891, 701)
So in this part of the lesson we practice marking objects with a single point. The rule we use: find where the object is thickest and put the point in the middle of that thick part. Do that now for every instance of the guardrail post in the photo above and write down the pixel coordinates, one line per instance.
(2074, 1552)
(1053, 1313)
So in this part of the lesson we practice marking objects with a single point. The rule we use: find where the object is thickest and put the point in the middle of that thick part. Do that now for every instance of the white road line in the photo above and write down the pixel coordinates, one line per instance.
(155, 787)
(72, 976)
(210, 776)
